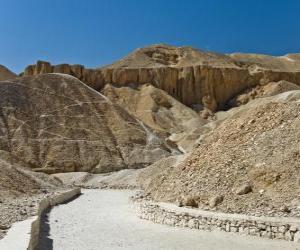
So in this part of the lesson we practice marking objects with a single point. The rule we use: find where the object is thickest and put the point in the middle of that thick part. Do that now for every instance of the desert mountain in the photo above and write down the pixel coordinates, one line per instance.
(5, 73)
(249, 162)
(55, 123)
(196, 78)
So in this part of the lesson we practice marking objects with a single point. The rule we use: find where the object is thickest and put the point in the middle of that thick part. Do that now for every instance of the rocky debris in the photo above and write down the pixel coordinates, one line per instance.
(6, 74)
(158, 110)
(55, 123)
(20, 191)
(270, 89)
(243, 189)
(257, 143)
(187, 74)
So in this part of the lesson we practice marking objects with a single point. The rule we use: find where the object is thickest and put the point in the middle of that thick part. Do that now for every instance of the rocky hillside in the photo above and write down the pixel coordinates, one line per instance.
(158, 110)
(55, 123)
(17, 180)
(5, 73)
(198, 79)
(249, 163)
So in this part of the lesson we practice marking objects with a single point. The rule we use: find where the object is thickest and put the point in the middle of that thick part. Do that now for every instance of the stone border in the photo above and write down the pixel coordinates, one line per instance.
(268, 227)
(43, 206)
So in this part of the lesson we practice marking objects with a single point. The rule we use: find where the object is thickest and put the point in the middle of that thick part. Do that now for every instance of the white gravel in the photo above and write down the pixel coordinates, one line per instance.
(105, 219)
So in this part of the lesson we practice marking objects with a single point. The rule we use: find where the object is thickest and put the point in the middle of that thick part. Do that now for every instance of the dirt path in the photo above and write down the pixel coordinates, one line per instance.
(105, 219)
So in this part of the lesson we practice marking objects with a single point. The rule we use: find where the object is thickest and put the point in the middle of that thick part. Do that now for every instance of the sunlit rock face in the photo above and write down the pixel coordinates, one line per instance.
(191, 76)
(56, 123)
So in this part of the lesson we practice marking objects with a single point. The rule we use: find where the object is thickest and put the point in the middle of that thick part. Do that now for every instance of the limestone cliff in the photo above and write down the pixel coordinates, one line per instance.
(195, 78)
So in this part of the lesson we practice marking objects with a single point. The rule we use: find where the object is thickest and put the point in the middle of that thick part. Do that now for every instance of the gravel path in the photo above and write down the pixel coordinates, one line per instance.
(105, 219)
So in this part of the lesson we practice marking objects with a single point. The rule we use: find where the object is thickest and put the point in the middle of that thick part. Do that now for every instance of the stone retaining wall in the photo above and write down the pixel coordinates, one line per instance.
(43, 206)
(269, 227)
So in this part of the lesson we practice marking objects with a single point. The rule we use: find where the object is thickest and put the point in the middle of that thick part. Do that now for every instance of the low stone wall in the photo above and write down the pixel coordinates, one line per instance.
(269, 227)
(43, 206)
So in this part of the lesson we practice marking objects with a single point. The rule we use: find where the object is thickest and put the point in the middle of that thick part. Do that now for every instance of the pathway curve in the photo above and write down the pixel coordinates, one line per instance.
(105, 219)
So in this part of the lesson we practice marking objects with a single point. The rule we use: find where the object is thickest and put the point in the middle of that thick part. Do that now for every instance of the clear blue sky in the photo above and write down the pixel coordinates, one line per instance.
(97, 32)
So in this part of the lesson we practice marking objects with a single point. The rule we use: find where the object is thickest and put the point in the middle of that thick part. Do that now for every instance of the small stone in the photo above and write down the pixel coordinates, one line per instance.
(215, 200)
(244, 189)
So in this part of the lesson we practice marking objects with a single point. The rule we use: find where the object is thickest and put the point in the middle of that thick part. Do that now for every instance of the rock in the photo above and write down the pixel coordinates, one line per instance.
(6, 74)
(243, 189)
(285, 209)
(4, 227)
(297, 237)
(190, 202)
(215, 200)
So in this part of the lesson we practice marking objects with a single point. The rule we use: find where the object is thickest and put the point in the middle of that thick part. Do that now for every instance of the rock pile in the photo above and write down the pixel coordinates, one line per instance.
(251, 159)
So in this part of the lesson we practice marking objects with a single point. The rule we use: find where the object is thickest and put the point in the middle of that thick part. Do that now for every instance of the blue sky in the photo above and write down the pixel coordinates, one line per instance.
(94, 33)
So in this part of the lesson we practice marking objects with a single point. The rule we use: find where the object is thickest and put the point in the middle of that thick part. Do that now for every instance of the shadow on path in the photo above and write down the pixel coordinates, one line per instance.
(45, 242)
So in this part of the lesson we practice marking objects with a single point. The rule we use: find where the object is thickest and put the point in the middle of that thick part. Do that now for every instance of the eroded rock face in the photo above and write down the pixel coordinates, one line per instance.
(55, 123)
(187, 74)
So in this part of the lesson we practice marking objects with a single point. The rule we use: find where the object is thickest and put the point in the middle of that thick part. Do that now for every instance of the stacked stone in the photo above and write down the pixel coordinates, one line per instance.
(242, 224)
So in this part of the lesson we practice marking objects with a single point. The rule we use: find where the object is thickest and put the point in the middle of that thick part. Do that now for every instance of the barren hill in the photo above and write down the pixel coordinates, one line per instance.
(55, 123)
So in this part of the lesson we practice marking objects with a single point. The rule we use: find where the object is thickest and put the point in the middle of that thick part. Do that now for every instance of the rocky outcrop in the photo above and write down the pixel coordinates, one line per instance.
(187, 74)
(55, 123)
(5, 73)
